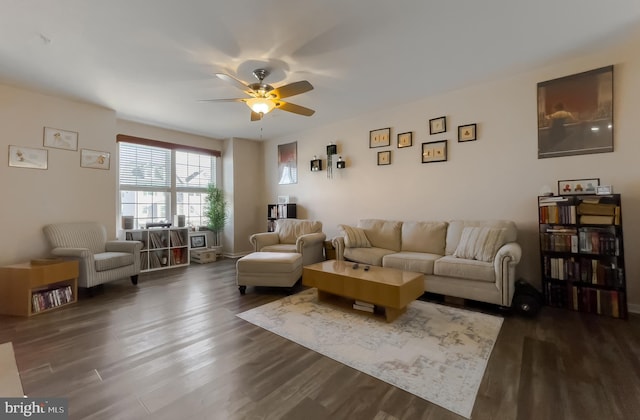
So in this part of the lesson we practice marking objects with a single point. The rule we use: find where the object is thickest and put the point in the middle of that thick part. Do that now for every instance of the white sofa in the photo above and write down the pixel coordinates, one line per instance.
(462, 258)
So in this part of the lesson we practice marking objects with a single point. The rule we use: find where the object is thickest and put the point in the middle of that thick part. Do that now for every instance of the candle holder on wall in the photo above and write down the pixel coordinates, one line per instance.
(341, 164)
(332, 149)
(316, 164)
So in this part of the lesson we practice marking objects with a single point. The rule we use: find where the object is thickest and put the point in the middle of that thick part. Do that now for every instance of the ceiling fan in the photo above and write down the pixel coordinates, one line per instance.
(264, 97)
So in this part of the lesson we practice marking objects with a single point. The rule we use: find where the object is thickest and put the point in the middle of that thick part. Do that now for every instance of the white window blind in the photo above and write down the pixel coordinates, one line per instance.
(144, 166)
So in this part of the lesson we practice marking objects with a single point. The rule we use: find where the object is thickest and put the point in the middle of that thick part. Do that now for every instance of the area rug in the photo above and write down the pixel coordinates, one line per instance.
(436, 352)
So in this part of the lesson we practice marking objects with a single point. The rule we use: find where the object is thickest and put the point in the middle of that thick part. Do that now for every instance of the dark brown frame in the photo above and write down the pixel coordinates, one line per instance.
(474, 135)
(380, 154)
(432, 121)
(431, 160)
(382, 142)
(408, 135)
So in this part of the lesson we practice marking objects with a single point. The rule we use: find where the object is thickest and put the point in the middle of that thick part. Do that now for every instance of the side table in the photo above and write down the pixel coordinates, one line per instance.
(28, 289)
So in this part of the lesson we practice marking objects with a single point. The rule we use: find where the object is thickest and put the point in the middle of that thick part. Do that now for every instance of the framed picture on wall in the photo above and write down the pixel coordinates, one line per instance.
(434, 151)
(380, 137)
(575, 114)
(60, 139)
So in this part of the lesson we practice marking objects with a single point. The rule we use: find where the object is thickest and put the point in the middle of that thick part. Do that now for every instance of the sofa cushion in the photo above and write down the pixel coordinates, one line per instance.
(479, 243)
(371, 256)
(289, 230)
(279, 248)
(384, 234)
(109, 260)
(454, 231)
(451, 266)
(354, 237)
(426, 237)
(419, 262)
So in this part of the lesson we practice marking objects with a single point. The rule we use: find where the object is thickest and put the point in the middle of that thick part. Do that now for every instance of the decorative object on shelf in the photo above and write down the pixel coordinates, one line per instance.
(434, 151)
(94, 159)
(380, 137)
(405, 139)
(575, 114)
(60, 139)
(316, 164)
(284, 199)
(438, 125)
(384, 158)
(288, 163)
(332, 149)
(466, 133)
(216, 213)
(198, 240)
(341, 164)
(127, 222)
(28, 157)
(604, 189)
(578, 186)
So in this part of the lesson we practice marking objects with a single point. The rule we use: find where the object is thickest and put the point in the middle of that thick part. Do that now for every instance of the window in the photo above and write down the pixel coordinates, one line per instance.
(157, 183)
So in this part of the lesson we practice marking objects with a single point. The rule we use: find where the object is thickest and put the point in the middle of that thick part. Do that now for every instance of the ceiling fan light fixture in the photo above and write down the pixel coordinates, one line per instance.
(260, 105)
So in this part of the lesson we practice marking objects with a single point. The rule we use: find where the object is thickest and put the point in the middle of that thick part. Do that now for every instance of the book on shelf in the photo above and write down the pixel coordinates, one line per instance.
(592, 219)
(602, 209)
(363, 308)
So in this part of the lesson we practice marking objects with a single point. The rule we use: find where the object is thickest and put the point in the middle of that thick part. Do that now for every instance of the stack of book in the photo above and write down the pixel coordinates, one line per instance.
(363, 306)
(595, 212)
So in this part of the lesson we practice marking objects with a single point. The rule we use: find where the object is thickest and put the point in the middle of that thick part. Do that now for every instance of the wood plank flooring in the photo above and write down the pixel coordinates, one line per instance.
(172, 348)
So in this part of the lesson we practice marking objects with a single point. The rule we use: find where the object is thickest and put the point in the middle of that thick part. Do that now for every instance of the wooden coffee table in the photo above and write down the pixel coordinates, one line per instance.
(388, 288)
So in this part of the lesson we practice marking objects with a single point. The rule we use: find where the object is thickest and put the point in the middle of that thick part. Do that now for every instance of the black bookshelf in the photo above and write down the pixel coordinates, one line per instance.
(280, 211)
(582, 253)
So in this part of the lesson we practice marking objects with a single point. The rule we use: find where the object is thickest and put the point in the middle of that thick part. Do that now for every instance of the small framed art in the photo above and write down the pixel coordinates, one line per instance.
(94, 159)
(28, 157)
(384, 158)
(380, 137)
(434, 151)
(437, 125)
(198, 241)
(578, 186)
(405, 139)
(60, 139)
(467, 133)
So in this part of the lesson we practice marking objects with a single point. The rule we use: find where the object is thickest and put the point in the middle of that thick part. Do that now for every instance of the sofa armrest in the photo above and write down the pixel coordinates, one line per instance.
(338, 244)
(123, 246)
(71, 252)
(311, 246)
(309, 240)
(260, 240)
(504, 263)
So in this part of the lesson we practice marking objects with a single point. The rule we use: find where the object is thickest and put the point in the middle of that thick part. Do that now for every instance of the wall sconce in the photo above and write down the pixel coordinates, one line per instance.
(316, 164)
(332, 149)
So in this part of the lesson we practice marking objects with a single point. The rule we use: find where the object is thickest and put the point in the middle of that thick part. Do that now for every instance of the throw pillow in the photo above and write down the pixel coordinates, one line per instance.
(480, 243)
(355, 237)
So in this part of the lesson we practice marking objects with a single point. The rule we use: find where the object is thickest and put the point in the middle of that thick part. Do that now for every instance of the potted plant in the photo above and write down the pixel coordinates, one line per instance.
(216, 213)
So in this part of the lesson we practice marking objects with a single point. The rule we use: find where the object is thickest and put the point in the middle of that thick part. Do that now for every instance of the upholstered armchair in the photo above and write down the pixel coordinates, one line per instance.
(100, 260)
(293, 235)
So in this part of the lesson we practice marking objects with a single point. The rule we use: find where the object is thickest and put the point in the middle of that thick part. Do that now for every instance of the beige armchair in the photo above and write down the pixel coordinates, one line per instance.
(100, 260)
(293, 235)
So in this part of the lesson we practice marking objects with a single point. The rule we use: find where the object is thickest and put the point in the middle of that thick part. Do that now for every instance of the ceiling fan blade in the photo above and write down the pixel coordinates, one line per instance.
(296, 109)
(236, 82)
(292, 89)
(256, 116)
(224, 100)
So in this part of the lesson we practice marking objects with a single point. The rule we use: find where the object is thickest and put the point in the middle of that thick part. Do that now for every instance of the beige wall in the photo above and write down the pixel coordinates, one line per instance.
(64, 192)
(497, 177)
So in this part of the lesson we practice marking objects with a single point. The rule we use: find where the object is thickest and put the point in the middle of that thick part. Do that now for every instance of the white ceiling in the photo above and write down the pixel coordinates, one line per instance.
(152, 61)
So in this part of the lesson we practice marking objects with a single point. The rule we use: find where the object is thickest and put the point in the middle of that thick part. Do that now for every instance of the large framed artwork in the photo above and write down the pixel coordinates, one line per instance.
(575, 114)
(288, 163)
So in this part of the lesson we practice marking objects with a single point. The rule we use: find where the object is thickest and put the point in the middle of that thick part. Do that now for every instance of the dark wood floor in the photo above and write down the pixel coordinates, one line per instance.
(172, 348)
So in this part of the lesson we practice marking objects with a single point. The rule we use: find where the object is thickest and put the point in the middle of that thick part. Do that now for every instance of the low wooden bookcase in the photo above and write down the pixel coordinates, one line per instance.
(50, 283)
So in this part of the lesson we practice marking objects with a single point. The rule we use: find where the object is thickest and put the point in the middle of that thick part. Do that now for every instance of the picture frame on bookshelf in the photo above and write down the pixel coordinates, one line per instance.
(584, 186)
(198, 241)
(575, 114)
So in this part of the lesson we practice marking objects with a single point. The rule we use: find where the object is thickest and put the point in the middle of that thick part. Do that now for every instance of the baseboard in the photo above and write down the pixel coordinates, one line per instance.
(633, 308)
